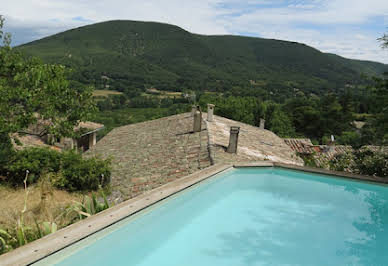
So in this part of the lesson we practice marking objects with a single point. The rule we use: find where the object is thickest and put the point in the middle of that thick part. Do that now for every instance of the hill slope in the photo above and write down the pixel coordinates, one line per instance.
(134, 54)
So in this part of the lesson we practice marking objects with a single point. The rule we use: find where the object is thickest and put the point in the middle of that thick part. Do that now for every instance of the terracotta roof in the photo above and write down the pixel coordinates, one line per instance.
(300, 145)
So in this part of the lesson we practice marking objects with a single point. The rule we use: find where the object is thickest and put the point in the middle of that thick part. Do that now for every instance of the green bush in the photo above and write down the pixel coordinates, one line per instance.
(83, 174)
(372, 162)
(35, 160)
(72, 171)
(6, 149)
(363, 161)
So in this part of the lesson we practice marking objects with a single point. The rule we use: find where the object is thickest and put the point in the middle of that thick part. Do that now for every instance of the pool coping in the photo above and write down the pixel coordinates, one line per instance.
(46, 246)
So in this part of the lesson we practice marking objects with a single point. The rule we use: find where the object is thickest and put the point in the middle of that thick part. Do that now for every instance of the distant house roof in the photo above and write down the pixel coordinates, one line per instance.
(39, 128)
(89, 127)
(149, 154)
(28, 141)
(35, 134)
(358, 124)
(300, 145)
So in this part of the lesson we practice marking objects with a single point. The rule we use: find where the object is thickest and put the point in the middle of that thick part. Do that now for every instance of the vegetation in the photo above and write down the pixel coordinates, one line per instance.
(363, 161)
(88, 207)
(142, 55)
(31, 90)
(71, 171)
(44, 218)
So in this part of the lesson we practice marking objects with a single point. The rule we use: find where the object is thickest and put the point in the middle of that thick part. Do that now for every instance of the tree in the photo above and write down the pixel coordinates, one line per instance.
(384, 41)
(31, 90)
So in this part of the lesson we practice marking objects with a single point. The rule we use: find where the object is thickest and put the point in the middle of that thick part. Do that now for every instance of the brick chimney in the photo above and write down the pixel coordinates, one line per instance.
(197, 119)
(262, 123)
(210, 111)
(233, 139)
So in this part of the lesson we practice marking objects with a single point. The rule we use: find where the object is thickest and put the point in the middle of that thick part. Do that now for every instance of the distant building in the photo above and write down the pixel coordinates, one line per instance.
(36, 136)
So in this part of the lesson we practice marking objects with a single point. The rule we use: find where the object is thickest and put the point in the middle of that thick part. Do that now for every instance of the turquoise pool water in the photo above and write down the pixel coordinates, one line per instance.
(252, 216)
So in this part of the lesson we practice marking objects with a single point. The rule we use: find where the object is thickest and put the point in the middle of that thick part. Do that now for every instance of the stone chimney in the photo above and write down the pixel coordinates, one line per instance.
(332, 144)
(68, 144)
(210, 111)
(233, 139)
(262, 123)
(197, 120)
(193, 109)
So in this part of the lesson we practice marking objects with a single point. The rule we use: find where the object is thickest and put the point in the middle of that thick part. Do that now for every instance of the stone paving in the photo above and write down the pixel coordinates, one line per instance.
(149, 154)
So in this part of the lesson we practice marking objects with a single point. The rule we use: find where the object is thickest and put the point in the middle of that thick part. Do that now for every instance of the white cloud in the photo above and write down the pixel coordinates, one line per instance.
(336, 26)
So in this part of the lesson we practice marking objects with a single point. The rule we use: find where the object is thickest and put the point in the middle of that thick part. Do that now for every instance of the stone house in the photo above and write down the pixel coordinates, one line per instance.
(37, 136)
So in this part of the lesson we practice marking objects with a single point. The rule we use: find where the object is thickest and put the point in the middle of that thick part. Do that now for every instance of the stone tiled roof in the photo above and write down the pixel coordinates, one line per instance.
(254, 144)
(300, 145)
(152, 153)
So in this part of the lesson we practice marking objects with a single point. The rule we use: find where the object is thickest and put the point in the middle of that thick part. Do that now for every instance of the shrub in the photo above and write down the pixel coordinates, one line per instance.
(35, 160)
(363, 161)
(6, 149)
(372, 162)
(343, 162)
(83, 174)
(72, 172)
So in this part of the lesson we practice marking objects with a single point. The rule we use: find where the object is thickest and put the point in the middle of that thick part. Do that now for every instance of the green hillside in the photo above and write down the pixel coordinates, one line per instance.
(123, 55)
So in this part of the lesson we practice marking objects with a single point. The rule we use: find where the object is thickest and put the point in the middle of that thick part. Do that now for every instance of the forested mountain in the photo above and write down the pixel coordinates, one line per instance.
(123, 55)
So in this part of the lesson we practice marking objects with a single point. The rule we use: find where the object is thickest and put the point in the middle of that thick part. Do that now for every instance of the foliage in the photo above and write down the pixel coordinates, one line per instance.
(6, 149)
(363, 161)
(5, 238)
(352, 138)
(316, 117)
(344, 162)
(35, 160)
(72, 171)
(384, 40)
(278, 121)
(88, 207)
(46, 228)
(308, 159)
(372, 162)
(31, 90)
(78, 173)
(145, 54)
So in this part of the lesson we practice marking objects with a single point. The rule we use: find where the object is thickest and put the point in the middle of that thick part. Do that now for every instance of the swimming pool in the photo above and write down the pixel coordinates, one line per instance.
(248, 216)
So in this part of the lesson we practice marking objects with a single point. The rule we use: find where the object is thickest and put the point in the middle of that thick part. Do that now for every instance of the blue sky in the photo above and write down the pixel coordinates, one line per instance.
(346, 27)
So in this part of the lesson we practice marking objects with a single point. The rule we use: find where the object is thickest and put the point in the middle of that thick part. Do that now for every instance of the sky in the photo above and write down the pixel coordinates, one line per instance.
(349, 28)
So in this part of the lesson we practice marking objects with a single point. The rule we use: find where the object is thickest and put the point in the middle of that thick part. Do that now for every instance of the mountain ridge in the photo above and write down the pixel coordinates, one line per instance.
(153, 54)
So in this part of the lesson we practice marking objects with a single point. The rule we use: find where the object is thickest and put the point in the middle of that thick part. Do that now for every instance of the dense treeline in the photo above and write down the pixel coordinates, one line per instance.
(299, 116)
(315, 117)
